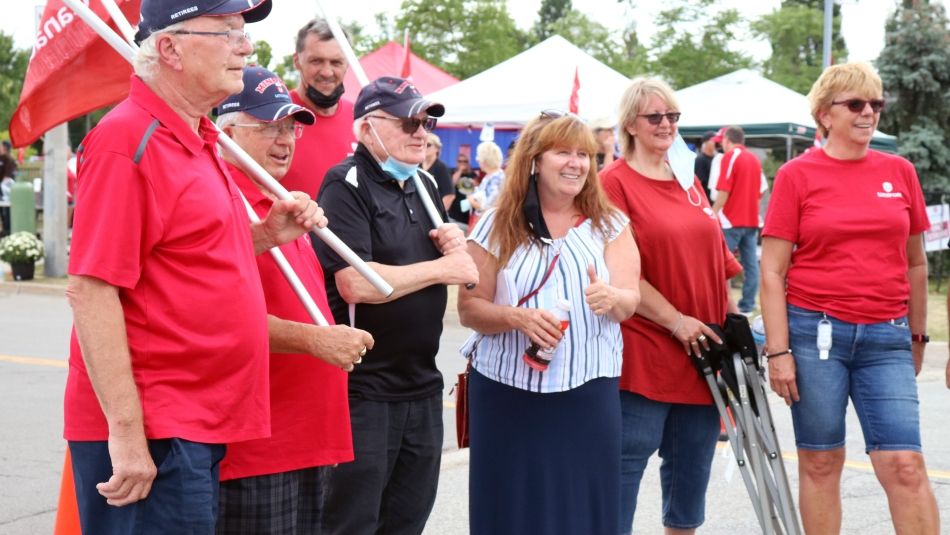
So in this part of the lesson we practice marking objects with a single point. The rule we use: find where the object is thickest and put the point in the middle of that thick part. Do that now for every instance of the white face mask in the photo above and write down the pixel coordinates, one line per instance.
(682, 161)
(397, 169)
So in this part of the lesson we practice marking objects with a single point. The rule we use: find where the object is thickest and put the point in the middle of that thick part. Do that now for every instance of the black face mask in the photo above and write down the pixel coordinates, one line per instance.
(324, 101)
(532, 212)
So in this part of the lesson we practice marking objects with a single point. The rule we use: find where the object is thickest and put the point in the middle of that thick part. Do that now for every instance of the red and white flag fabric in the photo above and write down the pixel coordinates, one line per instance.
(72, 71)
(572, 104)
(406, 72)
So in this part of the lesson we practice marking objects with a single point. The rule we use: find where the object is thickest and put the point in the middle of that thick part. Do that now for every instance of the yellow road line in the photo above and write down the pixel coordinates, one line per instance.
(35, 361)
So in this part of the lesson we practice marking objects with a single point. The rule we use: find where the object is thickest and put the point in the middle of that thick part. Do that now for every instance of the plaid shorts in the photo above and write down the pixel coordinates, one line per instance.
(288, 503)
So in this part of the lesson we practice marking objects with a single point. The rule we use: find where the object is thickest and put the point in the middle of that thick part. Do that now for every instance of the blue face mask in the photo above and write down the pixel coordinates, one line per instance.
(401, 171)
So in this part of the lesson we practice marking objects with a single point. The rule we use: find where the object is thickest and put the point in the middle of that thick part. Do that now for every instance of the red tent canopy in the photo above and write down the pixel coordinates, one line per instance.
(387, 61)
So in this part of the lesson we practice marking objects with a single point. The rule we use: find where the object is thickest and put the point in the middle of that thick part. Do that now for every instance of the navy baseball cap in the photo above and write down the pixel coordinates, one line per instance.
(396, 97)
(159, 14)
(265, 97)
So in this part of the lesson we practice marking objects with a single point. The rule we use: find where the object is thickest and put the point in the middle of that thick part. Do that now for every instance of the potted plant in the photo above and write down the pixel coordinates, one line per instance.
(21, 250)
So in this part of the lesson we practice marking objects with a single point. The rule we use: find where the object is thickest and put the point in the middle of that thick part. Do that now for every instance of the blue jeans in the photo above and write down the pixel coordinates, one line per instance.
(183, 498)
(745, 241)
(686, 436)
(870, 363)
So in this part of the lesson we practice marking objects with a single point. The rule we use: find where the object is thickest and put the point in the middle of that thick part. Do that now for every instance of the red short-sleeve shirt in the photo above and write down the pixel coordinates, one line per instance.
(849, 221)
(683, 255)
(171, 233)
(310, 412)
(324, 144)
(741, 175)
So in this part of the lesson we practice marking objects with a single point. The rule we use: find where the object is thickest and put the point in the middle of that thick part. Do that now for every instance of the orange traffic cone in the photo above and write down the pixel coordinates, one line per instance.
(67, 513)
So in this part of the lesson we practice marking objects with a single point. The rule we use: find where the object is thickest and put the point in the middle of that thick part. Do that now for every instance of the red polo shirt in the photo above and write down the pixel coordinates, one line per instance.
(683, 255)
(849, 221)
(740, 174)
(171, 233)
(324, 144)
(310, 411)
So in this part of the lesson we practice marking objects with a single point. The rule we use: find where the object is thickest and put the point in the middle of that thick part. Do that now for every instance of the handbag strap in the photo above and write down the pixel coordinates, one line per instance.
(547, 274)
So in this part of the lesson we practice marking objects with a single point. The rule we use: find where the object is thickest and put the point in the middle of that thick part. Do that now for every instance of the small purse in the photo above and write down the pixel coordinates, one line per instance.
(461, 385)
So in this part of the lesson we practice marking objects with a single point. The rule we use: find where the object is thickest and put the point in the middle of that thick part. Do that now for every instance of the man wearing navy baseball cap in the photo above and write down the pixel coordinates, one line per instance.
(396, 393)
(310, 422)
(169, 354)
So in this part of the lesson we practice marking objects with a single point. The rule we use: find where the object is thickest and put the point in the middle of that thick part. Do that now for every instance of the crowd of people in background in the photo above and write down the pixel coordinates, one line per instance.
(201, 396)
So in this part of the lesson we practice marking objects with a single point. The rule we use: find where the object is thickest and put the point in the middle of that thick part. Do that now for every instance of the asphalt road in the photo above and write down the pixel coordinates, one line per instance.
(34, 333)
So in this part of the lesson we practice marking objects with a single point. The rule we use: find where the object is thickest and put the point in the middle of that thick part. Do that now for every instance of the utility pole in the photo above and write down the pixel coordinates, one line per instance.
(826, 43)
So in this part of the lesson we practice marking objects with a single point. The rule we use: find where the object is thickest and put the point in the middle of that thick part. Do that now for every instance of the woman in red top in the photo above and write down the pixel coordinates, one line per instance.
(844, 298)
(684, 268)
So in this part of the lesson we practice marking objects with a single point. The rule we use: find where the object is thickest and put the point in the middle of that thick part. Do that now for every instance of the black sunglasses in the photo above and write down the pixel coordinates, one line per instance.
(411, 124)
(656, 118)
(856, 105)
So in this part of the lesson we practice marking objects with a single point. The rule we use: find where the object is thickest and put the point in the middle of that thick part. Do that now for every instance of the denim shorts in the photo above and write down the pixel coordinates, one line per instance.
(870, 363)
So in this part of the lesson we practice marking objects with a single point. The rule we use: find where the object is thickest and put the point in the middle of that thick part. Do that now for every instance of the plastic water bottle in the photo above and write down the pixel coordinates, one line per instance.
(539, 358)
(758, 333)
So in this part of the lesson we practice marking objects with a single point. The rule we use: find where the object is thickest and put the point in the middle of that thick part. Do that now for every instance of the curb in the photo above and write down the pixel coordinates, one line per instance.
(32, 288)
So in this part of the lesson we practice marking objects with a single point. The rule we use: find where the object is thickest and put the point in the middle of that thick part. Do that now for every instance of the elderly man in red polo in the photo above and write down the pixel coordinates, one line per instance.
(275, 485)
(169, 354)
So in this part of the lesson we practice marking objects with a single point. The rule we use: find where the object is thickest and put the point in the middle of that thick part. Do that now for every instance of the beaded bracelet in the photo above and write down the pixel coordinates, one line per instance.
(677, 325)
(779, 354)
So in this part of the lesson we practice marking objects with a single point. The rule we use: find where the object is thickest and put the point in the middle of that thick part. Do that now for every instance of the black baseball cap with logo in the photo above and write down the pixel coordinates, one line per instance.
(159, 14)
(265, 97)
(396, 97)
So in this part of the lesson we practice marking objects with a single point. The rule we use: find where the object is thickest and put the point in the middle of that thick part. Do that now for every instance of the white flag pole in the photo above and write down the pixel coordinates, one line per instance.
(354, 62)
(127, 51)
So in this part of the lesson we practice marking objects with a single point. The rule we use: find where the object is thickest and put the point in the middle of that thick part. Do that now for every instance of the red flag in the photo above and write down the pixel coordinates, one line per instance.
(572, 105)
(71, 72)
(406, 68)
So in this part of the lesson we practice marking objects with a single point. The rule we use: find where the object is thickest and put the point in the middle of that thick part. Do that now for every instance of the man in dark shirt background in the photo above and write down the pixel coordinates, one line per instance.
(703, 165)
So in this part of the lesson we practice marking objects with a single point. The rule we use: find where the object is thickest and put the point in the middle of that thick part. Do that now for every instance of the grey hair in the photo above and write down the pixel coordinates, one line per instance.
(318, 28)
(357, 126)
(227, 119)
(145, 62)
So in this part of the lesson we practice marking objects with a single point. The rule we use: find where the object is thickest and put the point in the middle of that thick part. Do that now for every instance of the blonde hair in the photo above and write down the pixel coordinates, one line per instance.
(434, 139)
(857, 77)
(539, 136)
(488, 154)
(632, 102)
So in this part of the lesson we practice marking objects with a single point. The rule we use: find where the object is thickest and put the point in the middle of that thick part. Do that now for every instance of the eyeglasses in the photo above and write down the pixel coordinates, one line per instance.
(656, 118)
(557, 114)
(235, 38)
(273, 130)
(856, 105)
(411, 124)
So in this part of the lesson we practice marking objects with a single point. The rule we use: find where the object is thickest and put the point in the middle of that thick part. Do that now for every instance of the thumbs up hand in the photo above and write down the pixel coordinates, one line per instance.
(600, 296)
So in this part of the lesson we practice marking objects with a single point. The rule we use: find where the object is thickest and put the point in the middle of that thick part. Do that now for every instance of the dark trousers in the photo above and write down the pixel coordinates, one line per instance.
(183, 498)
(286, 503)
(390, 487)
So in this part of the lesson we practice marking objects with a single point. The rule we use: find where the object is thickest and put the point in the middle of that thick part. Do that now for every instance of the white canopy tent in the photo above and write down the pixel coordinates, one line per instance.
(542, 77)
(771, 114)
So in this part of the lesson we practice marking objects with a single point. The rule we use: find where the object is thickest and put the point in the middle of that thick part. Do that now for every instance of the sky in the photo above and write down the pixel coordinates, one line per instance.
(862, 20)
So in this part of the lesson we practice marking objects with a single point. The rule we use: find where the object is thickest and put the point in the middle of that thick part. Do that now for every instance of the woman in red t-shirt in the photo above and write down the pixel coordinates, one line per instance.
(844, 298)
(685, 263)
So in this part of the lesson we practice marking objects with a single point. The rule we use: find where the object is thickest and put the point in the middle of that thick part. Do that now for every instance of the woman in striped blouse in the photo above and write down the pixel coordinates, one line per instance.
(545, 445)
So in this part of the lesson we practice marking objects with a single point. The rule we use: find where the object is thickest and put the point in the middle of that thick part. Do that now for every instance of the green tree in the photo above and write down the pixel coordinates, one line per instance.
(550, 12)
(690, 47)
(796, 33)
(628, 58)
(915, 68)
(287, 71)
(13, 62)
(363, 42)
(462, 37)
(263, 53)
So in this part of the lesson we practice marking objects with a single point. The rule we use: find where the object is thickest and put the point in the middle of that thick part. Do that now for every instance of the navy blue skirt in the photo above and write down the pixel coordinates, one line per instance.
(544, 463)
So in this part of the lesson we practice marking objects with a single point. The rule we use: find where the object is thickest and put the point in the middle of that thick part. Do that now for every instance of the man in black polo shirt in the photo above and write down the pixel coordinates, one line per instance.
(396, 393)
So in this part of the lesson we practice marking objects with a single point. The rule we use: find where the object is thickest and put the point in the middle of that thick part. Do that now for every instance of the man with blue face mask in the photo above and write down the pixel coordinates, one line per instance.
(396, 393)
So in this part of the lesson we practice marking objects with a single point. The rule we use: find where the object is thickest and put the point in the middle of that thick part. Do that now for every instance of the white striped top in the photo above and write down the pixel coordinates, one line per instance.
(591, 347)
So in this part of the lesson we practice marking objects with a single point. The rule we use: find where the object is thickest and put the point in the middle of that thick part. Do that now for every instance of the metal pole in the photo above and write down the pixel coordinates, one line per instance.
(55, 154)
(256, 172)
(826, 43)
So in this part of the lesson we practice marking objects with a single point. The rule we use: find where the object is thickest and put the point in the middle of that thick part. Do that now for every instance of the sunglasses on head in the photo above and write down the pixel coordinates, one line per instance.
(656, 118)
(411, 124)
(856, 105)
(557, 114)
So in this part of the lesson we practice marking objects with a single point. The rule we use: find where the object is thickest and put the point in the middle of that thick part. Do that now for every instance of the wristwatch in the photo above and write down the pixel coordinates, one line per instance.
(923, 338)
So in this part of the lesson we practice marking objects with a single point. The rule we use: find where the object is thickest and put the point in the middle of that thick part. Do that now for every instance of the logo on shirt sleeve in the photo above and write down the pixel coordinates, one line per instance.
(888, 192)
